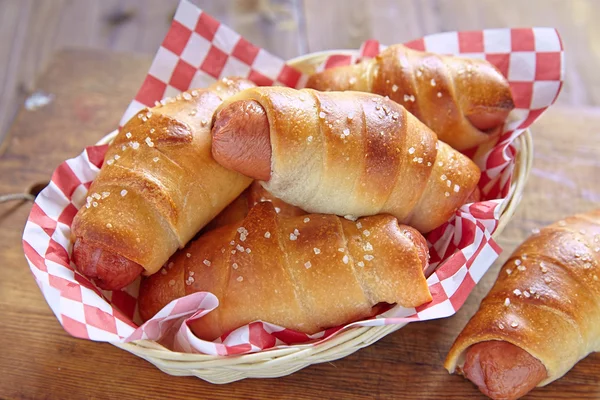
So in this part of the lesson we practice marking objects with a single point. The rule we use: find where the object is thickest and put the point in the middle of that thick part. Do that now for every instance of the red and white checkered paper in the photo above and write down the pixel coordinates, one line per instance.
(196, 51)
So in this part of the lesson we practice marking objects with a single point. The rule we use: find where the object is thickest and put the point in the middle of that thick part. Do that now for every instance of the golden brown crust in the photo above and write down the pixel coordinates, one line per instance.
(238, 209)
(306, 273)
(159, 184)
(359, 154)
(552, 285)
(465, 101)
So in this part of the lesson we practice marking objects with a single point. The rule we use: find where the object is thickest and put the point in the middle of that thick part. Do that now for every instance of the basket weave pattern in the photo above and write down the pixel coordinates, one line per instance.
(284, 361)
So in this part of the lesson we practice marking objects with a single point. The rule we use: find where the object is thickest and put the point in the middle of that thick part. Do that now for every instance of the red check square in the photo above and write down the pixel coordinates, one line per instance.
(522, 40)
(152, 90)
(214, 62)
(245, 51)
(259, 78)
(182, 76)
(176, 38)
(548, 66)
(470, 42)
(207, 26)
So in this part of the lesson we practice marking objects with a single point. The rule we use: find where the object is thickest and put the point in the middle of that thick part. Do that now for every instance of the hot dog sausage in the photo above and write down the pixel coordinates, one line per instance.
(502, 370)
(241, 139)
(109, 271)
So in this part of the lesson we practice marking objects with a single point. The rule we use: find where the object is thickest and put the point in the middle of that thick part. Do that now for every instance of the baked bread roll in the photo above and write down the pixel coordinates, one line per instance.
(239, 208)
(464, 101)
(344, 153)
(305, 273)
(541, 317)
(158, 186)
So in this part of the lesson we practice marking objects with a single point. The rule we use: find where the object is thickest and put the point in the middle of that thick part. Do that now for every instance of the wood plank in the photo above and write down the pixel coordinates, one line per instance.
(35, 30)
(346, 24)
(40, 361)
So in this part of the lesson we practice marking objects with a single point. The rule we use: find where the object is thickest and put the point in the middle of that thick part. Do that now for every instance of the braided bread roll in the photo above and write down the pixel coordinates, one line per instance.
(542, 315)
(344, 153)
(464, 101)
(158, 186)
(306, 273)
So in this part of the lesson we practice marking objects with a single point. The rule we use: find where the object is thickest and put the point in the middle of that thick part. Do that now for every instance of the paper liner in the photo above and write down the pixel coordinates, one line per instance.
(196, 51)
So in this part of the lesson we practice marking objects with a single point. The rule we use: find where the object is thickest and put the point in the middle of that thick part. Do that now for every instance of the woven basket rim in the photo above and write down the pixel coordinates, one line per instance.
(283, 361)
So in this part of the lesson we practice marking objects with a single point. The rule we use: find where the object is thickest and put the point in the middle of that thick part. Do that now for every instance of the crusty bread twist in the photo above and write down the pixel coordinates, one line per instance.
(158, 186)
(305, 273)
(464, 101)
(541, 317)
(343, 153)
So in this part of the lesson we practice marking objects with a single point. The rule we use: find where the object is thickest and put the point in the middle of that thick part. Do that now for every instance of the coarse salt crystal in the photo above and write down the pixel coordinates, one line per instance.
(296, 232)
(360, 264)
(128, 135)
(240, 278)
(359, 225)
(350, 217)
(443, 177)
(507, 302)
(267, 235)
(187, 96)
(293, 237)
(239, 247)
(321, 115)
(317, 250)
(447, 194)
(305, 220)
(366, 233)
(117, 156)
(439, 94)
(234, 266)
(345, 259)
(96, 196)
(514, 324)
(368, 257)
(500, 325)
(207, 263)
(341, 249)
(526, 294)
(521, 268)
(188, 255)
(368, 246)
(517, 292)
(517, 262)
(508, 271)
(248, 250)
(95, 204)
(307, 265)
(309, 139)
(456, 188)
(411, 150)
(109, 225)
(432, 82)
(547, 280)
(346, 132)
(110, 161)
(155, 159)
(105, 194)
(149, 142)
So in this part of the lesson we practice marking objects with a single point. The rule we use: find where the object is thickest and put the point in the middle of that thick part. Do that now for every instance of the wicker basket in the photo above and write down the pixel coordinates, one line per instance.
(284, 361)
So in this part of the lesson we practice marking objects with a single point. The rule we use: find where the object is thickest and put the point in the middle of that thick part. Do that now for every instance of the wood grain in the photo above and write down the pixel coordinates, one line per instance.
(40, 361)
(34, 30)
(331, 25)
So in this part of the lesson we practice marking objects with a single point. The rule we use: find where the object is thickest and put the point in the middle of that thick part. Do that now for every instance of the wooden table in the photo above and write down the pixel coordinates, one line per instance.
(39, 360)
